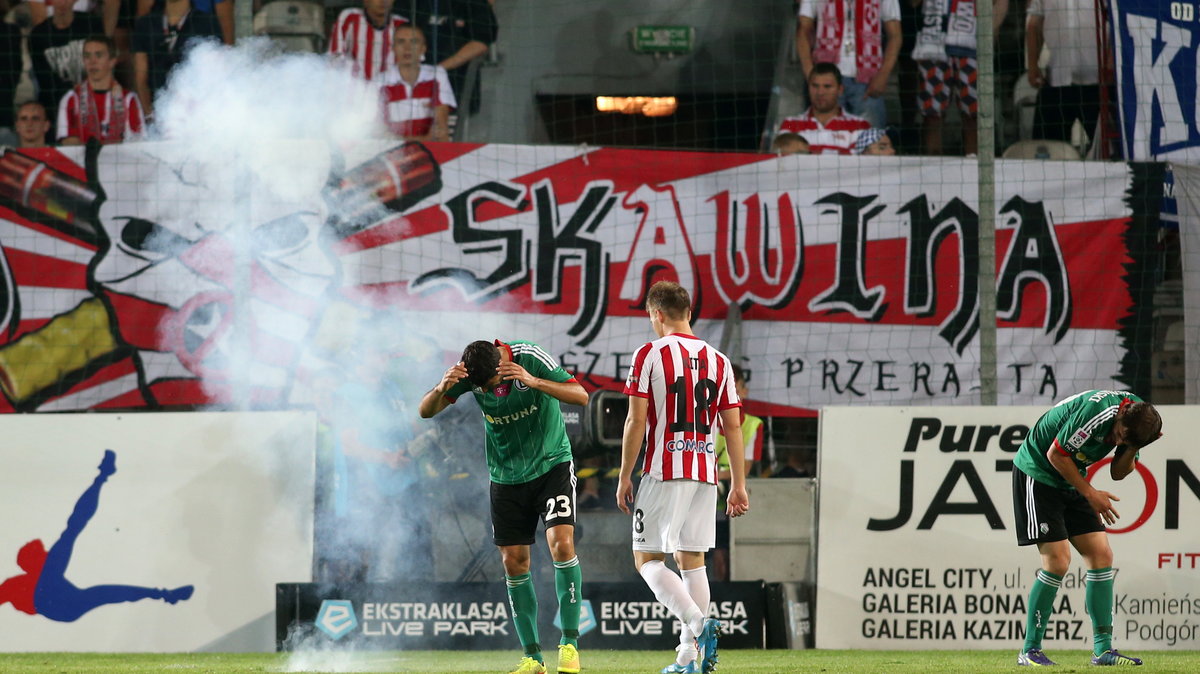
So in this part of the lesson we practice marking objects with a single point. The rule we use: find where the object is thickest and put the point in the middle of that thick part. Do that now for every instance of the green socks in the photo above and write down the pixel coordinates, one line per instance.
(1098, 599)
(1041, 605)
(568, 581)
(523, 599)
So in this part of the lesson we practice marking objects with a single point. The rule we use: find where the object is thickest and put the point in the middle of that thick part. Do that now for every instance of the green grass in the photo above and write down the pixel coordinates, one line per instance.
(595, 662)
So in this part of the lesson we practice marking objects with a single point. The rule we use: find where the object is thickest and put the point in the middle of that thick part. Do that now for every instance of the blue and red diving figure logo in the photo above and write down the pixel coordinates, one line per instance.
(44, 589)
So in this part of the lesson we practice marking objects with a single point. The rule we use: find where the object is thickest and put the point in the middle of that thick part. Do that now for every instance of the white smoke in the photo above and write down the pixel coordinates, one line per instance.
(227, 101)
(247, 140)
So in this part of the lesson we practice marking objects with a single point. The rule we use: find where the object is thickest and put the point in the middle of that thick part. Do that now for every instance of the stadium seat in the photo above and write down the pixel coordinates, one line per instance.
(296, 25)
(1041, 149)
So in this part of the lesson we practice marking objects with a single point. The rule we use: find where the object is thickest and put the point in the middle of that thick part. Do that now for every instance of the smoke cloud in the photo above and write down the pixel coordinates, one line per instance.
(231, 217)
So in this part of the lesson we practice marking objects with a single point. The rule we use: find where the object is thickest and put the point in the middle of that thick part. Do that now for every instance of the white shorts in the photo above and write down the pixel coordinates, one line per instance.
(674, 515)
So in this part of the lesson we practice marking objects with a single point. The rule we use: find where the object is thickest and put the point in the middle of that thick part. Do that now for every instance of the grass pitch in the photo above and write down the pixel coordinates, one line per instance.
(594, 662)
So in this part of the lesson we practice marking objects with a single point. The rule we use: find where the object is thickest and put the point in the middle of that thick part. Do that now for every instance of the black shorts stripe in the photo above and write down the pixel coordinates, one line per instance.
(1044, 514)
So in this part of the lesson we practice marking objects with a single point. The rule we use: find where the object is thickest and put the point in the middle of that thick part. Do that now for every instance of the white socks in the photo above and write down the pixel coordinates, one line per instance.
(669, 589)
(696, 582)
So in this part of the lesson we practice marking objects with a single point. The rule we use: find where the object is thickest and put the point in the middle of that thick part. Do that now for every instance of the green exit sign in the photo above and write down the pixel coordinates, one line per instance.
(664, 39)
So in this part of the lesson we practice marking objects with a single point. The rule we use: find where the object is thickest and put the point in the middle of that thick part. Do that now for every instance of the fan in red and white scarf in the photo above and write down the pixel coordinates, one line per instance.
(98, 107)
(850, 34)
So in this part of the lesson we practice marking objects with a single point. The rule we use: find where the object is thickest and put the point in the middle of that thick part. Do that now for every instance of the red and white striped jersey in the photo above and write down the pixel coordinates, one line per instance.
(408, 108)
(70, 124)
(368, 47)
(688, 383)
(836, 137)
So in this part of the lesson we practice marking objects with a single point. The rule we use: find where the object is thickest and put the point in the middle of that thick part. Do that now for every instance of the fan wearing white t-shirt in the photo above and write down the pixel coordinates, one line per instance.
(680, 388)
(415, 98)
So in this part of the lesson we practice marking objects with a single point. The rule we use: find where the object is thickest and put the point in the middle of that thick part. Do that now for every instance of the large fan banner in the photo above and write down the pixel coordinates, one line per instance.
(135, 276)
(1156, 45)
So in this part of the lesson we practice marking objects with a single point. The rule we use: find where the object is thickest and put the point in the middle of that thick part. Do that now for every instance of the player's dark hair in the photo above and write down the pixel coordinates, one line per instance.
(670, 298)
(481, 359)
(826, 69)
(105, 40)
(1143, 422)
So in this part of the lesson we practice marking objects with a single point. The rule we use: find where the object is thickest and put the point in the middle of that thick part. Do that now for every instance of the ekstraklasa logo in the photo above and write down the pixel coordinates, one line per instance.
(336, 618)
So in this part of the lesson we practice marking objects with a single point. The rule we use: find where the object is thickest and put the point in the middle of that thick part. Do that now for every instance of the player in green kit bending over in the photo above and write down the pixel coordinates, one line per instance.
(519, 387)
(1057, 508)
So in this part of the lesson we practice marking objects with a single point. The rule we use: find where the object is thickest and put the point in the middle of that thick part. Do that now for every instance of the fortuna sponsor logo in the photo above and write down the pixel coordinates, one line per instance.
(689, 445)
(509, 418)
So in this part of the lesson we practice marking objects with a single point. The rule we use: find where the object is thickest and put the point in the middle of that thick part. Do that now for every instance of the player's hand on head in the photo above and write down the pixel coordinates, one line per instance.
(455, 374)
(510, 371)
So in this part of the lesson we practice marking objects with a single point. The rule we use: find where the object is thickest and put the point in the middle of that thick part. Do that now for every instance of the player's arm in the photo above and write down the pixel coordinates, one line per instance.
(1101, 501)
(1123, 463)
(570, 392)
(631, 444)
(731, 427)
(436, 400)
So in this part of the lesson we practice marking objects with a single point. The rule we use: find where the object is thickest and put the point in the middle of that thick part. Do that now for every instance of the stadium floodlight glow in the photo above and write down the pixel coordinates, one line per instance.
(650, 106)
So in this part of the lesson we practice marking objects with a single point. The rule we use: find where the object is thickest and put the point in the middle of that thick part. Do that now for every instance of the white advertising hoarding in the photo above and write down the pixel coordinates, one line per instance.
(916, 546)
(179, 549)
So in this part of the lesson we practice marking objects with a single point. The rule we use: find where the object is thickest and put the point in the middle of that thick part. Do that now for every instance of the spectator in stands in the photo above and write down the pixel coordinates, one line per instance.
(458, 32)
(56, 50)
(364, 37)
(32, 125)
(110, 11)
(1070, 89)
(98, 107)
(790, 143)
(222, 9)
(827, 128)
(874, 142)
(945, 54)
(416, 98)
(161, 38)
(796, 463)
(861, 37)
(10, 73)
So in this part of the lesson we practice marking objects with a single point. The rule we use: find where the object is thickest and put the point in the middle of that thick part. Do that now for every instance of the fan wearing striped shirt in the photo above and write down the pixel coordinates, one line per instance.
(1057, 508)
(363, 37)
(825, 125)
(519, 387)
(680, 388)
(415, 98)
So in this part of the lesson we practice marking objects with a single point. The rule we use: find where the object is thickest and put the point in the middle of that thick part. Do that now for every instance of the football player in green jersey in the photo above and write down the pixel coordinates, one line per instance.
(1057, 508)
(519, 386)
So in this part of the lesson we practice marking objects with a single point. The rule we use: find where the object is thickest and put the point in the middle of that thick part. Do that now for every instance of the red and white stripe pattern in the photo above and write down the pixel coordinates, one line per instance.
(368, 47)
(836, 137)
(688, 383)
(70, 124)
(408, 109)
